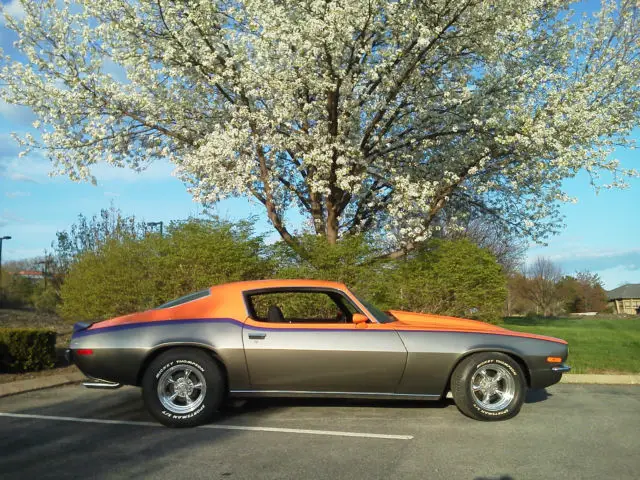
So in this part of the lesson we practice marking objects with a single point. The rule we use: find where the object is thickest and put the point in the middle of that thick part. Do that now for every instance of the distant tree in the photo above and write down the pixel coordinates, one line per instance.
(508, 249)
(22, 264)
(583, 293)
(89, 234)
(518, 302)
(17, 291)
(541, 287)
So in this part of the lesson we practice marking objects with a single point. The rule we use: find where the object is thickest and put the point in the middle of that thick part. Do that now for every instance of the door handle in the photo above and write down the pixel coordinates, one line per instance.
(257, 336)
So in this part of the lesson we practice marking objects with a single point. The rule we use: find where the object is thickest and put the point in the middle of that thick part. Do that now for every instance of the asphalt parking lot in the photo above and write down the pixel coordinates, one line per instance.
(567, 431)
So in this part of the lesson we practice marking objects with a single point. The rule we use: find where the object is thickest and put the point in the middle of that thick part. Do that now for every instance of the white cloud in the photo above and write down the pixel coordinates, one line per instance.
(17, 194)
(615, 266)
(14, 9)
(8, 218)
(617, 276)
(158, 170)
(590, 253)
(20, 177)
(8, 146)
(9, 253)
(35, 167)
(16, 114)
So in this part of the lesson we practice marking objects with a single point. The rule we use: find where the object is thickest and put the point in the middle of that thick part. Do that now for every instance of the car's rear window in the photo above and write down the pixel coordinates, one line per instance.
(187, 298)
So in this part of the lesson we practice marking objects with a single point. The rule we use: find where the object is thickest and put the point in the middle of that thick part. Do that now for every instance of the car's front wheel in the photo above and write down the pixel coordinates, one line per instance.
(183, 387)
(489, 386)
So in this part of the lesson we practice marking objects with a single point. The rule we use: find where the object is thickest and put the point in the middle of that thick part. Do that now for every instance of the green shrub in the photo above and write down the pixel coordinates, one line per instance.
(26, 349)
(451, 277)
(16, 291)
(125, 275)
(46, 301)
(446, 277)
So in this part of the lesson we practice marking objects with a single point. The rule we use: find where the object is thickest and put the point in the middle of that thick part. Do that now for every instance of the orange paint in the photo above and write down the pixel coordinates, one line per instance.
(227, 301)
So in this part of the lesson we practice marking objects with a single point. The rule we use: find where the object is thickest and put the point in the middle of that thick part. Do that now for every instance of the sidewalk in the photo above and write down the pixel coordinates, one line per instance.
(586, 378)
(22, 386)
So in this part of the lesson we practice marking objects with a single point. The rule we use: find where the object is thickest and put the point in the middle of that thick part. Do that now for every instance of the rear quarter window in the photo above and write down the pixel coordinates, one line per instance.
(187, 298)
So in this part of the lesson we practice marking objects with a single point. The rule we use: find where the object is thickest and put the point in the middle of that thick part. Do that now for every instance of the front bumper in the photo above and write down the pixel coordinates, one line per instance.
(549, 376)
(561, 368)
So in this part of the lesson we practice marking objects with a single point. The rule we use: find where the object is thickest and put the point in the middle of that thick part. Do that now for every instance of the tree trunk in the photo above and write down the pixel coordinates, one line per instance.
(332, 223)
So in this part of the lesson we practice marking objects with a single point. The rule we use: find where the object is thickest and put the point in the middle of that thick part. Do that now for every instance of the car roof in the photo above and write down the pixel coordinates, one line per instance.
(278, 283)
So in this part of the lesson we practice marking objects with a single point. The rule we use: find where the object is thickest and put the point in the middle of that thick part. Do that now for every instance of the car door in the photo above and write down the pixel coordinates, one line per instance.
(316, 354)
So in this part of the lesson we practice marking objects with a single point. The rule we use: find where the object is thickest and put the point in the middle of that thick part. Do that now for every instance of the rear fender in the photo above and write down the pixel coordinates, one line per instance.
(159, 349)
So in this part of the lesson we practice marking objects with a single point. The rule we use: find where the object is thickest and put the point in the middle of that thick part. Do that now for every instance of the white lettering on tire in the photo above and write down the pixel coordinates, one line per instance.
(183, 417)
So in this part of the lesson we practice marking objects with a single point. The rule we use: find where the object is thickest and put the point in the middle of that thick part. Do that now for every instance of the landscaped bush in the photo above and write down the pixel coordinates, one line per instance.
(46, 301)
(26, 349)
(129, 274)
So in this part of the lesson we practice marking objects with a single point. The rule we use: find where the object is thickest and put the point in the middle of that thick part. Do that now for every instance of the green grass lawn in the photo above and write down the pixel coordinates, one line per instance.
(596, 345)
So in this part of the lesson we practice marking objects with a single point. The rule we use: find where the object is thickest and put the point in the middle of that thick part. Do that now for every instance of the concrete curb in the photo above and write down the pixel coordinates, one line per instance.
(590, 379)
(21, 386)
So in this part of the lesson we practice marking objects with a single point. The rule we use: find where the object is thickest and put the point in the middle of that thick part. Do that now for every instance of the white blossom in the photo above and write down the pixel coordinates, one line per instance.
(364, 114)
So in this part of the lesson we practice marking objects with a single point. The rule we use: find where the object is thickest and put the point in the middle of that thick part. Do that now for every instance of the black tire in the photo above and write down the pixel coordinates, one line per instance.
(492, 400)
(196, 367)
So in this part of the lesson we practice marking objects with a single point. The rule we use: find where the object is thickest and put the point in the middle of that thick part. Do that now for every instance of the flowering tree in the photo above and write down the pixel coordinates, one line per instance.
(364, 114)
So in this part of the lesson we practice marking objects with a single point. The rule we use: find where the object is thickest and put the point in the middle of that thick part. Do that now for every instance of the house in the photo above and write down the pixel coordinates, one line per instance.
(625, 299)
(31, 274)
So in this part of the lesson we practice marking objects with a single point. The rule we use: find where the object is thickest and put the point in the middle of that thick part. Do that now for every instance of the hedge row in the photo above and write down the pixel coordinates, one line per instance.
(27, 349)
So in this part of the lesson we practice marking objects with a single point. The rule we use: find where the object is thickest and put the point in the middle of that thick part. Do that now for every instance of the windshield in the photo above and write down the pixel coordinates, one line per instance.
(379, 315)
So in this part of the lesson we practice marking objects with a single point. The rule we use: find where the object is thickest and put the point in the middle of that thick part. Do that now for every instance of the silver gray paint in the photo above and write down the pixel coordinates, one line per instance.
(316, 362)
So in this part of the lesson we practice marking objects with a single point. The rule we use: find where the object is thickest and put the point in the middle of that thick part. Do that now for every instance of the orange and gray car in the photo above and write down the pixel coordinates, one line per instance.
(191, 354)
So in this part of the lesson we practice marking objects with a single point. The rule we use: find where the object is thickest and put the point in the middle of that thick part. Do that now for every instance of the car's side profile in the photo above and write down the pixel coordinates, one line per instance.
(309, 338)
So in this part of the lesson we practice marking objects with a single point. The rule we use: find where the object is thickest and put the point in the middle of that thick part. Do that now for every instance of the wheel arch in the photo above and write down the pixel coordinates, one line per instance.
(160, 349)
(519, 358)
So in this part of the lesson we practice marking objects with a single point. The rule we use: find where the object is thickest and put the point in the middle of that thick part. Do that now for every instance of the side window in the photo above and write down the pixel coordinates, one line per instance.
(300, 307)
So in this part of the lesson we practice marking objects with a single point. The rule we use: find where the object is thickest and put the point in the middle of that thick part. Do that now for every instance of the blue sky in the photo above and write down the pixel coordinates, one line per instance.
(602, 231)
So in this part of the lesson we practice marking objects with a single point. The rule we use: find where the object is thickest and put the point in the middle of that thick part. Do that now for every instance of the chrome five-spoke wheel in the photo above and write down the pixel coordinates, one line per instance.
(493, 387)
(489, 386)
(181, 389)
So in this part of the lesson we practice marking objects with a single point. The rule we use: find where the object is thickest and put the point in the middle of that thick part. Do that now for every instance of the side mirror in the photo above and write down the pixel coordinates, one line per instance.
(359, 318)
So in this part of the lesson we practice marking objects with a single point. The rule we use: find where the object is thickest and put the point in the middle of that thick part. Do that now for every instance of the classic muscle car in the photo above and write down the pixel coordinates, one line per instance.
(306, 338)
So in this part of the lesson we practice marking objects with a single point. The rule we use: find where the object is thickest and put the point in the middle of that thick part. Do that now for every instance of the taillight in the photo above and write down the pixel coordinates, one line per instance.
(84, 351)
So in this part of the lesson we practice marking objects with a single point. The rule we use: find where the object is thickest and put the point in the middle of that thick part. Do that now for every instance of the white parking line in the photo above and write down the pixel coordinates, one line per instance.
(212, 426)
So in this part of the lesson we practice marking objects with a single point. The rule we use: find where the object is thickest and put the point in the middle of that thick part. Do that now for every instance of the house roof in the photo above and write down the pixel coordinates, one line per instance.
(630, 290)
(30, 273)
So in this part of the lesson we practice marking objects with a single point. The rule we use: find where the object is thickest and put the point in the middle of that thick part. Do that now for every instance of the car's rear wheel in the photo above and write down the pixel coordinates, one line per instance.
(489, 386)
(183, 387)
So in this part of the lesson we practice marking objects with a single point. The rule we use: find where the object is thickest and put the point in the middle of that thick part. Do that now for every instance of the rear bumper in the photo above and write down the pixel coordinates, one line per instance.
(548, 376)
(91, 382)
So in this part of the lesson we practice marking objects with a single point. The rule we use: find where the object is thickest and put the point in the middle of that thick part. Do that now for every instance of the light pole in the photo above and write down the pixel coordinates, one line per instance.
(1, 287)
(44, 274)
(155, 224)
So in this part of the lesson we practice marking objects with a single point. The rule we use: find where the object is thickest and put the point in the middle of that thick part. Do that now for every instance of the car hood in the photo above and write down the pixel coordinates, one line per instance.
(430, 322)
